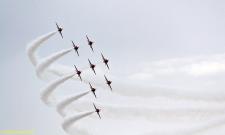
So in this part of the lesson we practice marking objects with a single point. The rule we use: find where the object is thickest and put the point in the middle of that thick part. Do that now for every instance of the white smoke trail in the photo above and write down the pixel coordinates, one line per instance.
(47, 91)
(132, 89)
(207, 126)
(121, 87)
(50, 59)
(68, 100)
(33, 46)
(72, 119)
(198, 129)
(42, 66)
(148, 112)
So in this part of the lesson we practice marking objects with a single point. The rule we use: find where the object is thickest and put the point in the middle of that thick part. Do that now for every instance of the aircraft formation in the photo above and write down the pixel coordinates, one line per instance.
(91, 65)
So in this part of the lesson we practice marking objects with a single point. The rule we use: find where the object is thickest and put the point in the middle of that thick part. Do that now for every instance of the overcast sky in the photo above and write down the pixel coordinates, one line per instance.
(135, 35)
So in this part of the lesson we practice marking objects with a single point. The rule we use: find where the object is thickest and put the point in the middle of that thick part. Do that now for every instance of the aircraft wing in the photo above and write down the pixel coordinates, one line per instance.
(89, 62)
(61, 34)
(94, 106)
(90, 85)
(99, 115)
(87, 38)
(80, 77)
(57, 25)
(92, 48)
(94, 70)
(94, 94)
(73, 43)
(102, 56)
(107, 65)
(75, 68)
(77, 52)
(110, 87)
(105, 78)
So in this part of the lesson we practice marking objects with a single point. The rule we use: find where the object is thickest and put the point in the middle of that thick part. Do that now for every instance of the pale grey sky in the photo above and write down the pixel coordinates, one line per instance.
(136, 31)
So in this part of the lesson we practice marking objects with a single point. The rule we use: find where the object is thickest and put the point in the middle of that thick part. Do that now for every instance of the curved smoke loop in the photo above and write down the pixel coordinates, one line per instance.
(44, 64)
